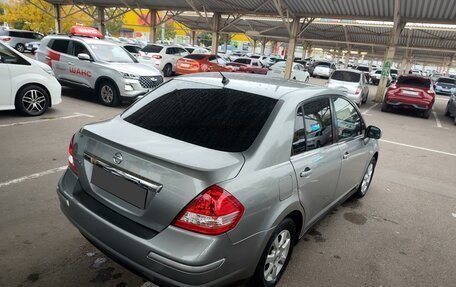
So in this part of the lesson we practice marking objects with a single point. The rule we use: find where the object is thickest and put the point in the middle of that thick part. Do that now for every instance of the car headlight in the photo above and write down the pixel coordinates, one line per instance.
(129, 76)
(49, 71)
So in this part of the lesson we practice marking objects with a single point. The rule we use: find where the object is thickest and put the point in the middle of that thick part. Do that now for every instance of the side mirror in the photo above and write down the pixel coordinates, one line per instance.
(84, 57)
(373, 132)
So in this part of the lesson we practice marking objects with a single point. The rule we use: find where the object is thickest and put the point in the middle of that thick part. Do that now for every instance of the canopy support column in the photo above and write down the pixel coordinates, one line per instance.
(58, 19)
(153, 25)
(227, 39)
(101, 20)
(263, 46)
(215, 32)
(291, 48)
(390, 52)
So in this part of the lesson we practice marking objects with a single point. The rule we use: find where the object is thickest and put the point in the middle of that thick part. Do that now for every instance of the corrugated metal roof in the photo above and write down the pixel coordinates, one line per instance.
(421, 11)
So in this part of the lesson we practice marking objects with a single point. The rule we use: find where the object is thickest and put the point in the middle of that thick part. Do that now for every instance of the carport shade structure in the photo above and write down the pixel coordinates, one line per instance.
(285, 12)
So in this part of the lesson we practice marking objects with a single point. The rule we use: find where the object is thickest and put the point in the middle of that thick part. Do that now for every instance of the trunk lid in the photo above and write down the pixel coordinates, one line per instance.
(183, 170)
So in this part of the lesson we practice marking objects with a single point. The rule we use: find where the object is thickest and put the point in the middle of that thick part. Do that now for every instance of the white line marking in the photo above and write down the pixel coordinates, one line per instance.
(442, 99)
(370, 108)
(32, 176)
(420, 148)
(439, 124)
(75, 115)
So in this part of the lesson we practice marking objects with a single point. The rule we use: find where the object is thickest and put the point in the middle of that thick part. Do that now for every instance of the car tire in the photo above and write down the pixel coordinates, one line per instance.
(108, 94)
(365, 99)
(385, 107)
(364, 185)
(32, 100)
(20, 48)
(427, 113)
(283, 239)
(447, 110)
(168, 70)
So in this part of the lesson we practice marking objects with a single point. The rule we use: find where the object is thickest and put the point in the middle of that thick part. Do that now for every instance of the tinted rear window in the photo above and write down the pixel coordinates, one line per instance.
(346, 76)
(364, 69)
(152, 49)
(446, 80)
(323, 64)
(220, 119)
(195, 57)
(414, 81)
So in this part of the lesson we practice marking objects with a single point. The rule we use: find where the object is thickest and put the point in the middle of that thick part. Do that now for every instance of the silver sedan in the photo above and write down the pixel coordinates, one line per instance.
(208, 180)
(352, 82)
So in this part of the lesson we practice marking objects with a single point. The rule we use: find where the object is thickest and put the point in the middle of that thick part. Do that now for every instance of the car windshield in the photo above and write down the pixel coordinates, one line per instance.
(447, 81)
(414, 81)
(152, 49)
(393, 71)
(361, 68)
(346, 76)
(216, 118)
(112, 53)
(195, 56)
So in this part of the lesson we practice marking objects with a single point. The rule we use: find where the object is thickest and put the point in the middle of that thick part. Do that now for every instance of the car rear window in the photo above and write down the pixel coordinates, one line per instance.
(195, 57)
(220, 119)
(446, 80)
(323, 64)
(393, 71)
(414, 81)
(361, 68)
(152, 49)
(346, 76)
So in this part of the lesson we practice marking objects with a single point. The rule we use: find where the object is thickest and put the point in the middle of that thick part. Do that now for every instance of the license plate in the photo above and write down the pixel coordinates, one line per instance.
(123, 189)
(410, 93)
(185, 65)
(146, 58)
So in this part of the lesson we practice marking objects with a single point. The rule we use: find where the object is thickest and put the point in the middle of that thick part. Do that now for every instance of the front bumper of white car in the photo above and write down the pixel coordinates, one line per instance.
(132, 88)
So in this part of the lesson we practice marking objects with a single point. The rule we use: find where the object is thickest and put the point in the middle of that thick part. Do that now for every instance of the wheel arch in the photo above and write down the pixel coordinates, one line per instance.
(48, 94)
(106, 78)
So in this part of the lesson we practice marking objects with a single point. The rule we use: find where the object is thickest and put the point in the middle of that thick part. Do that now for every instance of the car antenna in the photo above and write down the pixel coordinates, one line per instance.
(225, 80)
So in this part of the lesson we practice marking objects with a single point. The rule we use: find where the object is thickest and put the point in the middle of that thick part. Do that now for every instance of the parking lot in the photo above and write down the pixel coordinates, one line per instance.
(401, 234)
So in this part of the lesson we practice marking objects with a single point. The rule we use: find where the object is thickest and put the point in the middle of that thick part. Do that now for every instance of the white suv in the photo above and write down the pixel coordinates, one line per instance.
(99, 65)
(27, 85)
(162, 57)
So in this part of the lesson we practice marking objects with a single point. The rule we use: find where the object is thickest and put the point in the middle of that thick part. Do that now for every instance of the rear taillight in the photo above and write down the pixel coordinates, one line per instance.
(71, 163)
(6, 39)
(214, 211)
(156, 56)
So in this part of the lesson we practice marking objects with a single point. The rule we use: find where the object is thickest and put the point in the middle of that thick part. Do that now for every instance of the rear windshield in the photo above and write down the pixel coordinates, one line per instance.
(255, 57)
(346, 76)
(393, 71)
(361, 68)
(324, 64)
(195, 57)
(152, 49)
(446, 80)
(414, 81)
(215, 118)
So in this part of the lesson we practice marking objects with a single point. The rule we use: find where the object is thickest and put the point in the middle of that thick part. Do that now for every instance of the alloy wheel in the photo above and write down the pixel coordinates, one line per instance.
(107, 94)
(277, 255)
(367, 178)
(34, 101)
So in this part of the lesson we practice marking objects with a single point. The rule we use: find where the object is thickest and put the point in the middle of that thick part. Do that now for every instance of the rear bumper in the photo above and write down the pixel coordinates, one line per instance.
(409, 102)
(173, 256)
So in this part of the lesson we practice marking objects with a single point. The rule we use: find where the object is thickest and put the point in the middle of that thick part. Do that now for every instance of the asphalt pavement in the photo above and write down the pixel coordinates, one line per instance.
(401, 234)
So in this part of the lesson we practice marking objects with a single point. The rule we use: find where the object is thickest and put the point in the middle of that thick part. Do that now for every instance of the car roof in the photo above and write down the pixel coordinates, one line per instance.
(16, 30)
(87, 40)
(252, 83)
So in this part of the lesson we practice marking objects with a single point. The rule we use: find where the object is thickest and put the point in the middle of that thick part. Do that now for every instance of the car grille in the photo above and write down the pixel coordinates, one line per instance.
(150, 82)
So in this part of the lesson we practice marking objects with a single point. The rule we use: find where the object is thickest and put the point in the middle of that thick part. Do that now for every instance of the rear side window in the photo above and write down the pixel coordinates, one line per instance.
(152, 49)
(313, 126)
(414, 81)
(60, 45)
(9, 57)
(346, 76)
(220, 119)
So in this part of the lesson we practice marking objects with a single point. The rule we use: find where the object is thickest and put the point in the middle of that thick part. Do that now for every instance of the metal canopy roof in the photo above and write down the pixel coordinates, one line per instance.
(419, 11)
(359, 34)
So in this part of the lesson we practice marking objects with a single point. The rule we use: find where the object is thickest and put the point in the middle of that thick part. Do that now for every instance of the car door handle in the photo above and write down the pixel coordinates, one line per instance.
(346, 155)
(306, 172)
